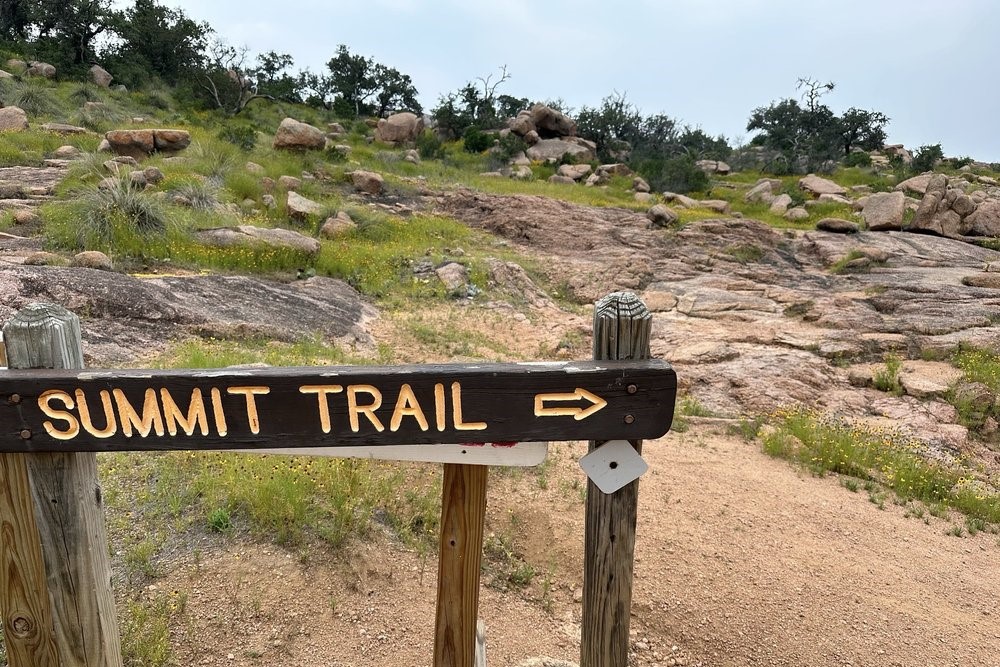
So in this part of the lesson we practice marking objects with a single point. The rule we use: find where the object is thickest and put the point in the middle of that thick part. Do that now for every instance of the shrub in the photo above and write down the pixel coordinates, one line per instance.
(887, 378)
(34, 98)
(926, 158)
(676, 174)
(858, 159)
(121, 203)
(430, 146)
(199, 195)
(241, 136)
(476, 141)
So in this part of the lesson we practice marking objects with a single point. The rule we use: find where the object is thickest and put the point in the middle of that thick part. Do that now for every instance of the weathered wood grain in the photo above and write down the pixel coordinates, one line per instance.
(622, 327)
(67, 504)
(24, 598)
(463, 514)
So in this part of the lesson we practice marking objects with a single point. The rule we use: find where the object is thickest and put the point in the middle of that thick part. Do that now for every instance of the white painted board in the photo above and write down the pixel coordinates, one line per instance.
(518, 455)
(613, 465)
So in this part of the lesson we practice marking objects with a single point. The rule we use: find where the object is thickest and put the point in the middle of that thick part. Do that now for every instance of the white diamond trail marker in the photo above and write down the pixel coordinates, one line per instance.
(613, 465)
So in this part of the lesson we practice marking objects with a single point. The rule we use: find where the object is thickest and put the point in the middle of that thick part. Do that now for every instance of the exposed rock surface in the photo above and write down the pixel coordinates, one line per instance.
(248, 235)
(555, 149)
(127, 314)
(336, 225)
(771, 320)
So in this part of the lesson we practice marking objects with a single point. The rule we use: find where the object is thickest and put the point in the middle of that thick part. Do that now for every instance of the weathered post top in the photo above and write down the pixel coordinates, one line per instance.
(622, 326)
(43, 335)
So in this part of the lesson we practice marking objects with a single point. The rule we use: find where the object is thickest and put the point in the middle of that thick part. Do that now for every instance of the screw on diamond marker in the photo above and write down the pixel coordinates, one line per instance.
(577, 413)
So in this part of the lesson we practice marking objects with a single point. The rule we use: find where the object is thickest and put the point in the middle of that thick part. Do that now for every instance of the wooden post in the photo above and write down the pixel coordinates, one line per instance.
(73, 615)
(463, 513)
(622, 326)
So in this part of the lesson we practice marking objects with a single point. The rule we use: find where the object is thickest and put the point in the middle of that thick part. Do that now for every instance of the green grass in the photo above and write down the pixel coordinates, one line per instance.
(881, 456)
(504, 564)
(145, 629)
(842, 265)
(887, 378)
(979, 366)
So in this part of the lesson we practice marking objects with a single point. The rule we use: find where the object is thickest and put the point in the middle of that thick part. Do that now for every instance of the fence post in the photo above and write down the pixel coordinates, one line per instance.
(463, 513)
(76, 603)
(622, 325)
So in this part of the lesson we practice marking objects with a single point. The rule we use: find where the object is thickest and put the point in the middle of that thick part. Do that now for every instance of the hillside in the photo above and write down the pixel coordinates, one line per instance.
(829, 493)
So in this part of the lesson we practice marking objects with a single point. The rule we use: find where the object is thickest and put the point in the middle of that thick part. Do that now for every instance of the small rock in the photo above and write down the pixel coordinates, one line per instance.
(269, 201)
(13, 119)
(453, 275)
(820, 186)
(25, 216)
(575, 171)
(643, 197)
(837, 226)
(661, 215)
(100, 76)
(300, 208)
(412, 156)
(797, 214)
(986, 280)
(289, 182)
(367, 181)
(254, 168)
(336, 225)
(565, 180)
(67, 152)
(295, 135)
(45, 259)
(153, 175)
(639, 184)
(92, 259)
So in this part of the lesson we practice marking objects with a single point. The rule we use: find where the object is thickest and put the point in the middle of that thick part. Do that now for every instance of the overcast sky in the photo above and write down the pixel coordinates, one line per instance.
(931, 66)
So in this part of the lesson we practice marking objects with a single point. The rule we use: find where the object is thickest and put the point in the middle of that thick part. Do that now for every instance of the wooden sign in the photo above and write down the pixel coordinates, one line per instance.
(116, 410)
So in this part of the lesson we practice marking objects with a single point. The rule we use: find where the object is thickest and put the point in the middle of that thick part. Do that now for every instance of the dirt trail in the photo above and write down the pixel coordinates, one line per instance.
(741, 560)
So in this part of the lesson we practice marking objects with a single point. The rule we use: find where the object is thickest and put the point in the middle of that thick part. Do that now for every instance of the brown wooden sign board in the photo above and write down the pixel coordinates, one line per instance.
(121, 410)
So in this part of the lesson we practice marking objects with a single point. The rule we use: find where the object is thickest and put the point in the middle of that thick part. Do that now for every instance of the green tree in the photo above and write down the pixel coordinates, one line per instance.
(814, 132)
(356, 86)
(15, 19)
(159, 40)
(70, 28)
(477, 104)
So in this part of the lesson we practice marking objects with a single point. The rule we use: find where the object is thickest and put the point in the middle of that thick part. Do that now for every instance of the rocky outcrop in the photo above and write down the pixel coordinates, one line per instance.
(574, 171)
(915, 185)
(63, 128)
(295, 135)
(402, 127)
(139, 144)
(42, 69)
(717, 167)
(250, 236)
(946, 210)
(984, 220)
(128, 317)
(554, 150)
(551, 123)
(763, 191)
